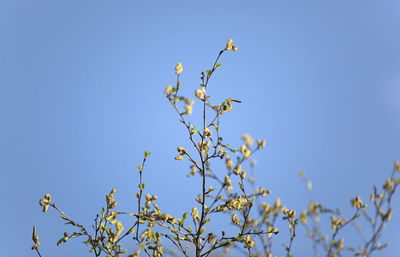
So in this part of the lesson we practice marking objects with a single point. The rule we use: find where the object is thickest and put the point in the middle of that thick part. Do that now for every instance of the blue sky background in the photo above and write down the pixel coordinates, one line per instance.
(82, 96)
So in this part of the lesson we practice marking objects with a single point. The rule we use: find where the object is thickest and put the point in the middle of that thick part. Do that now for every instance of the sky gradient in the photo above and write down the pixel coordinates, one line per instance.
(82, 96)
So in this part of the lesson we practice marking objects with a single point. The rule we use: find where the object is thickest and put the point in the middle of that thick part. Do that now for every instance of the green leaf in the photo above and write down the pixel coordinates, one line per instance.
(141, 186)
(217, 65)
(131, 230)
(139, 167)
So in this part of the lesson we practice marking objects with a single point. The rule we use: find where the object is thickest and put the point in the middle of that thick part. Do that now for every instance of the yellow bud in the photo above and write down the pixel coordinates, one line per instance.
(243, 175)
(248, 242)
(189, 107)
(229, 45)
(228, 183)
(168, 89)
(181, 150)
(388, 215)
(173, 221)
(372, 197)
(119, 226)
(179, 157)
(247, 153)
(229, 163)
(178, 68)
(277, 203)
(199, 94)
(207, 132)
(237, 170)
(247, 139)
(261, 143)
(47, 197)
(235, 219)
(397, 166)
(309, 185)
(388, 185)
(43, 202)
(136, 253)
(303, 217)
(195, 214)
(234, 48)
(148, 197)
(264, 192)
(34, 233)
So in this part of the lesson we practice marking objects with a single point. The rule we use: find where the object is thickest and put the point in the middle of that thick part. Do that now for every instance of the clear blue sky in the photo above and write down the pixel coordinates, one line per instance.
(82, 96)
